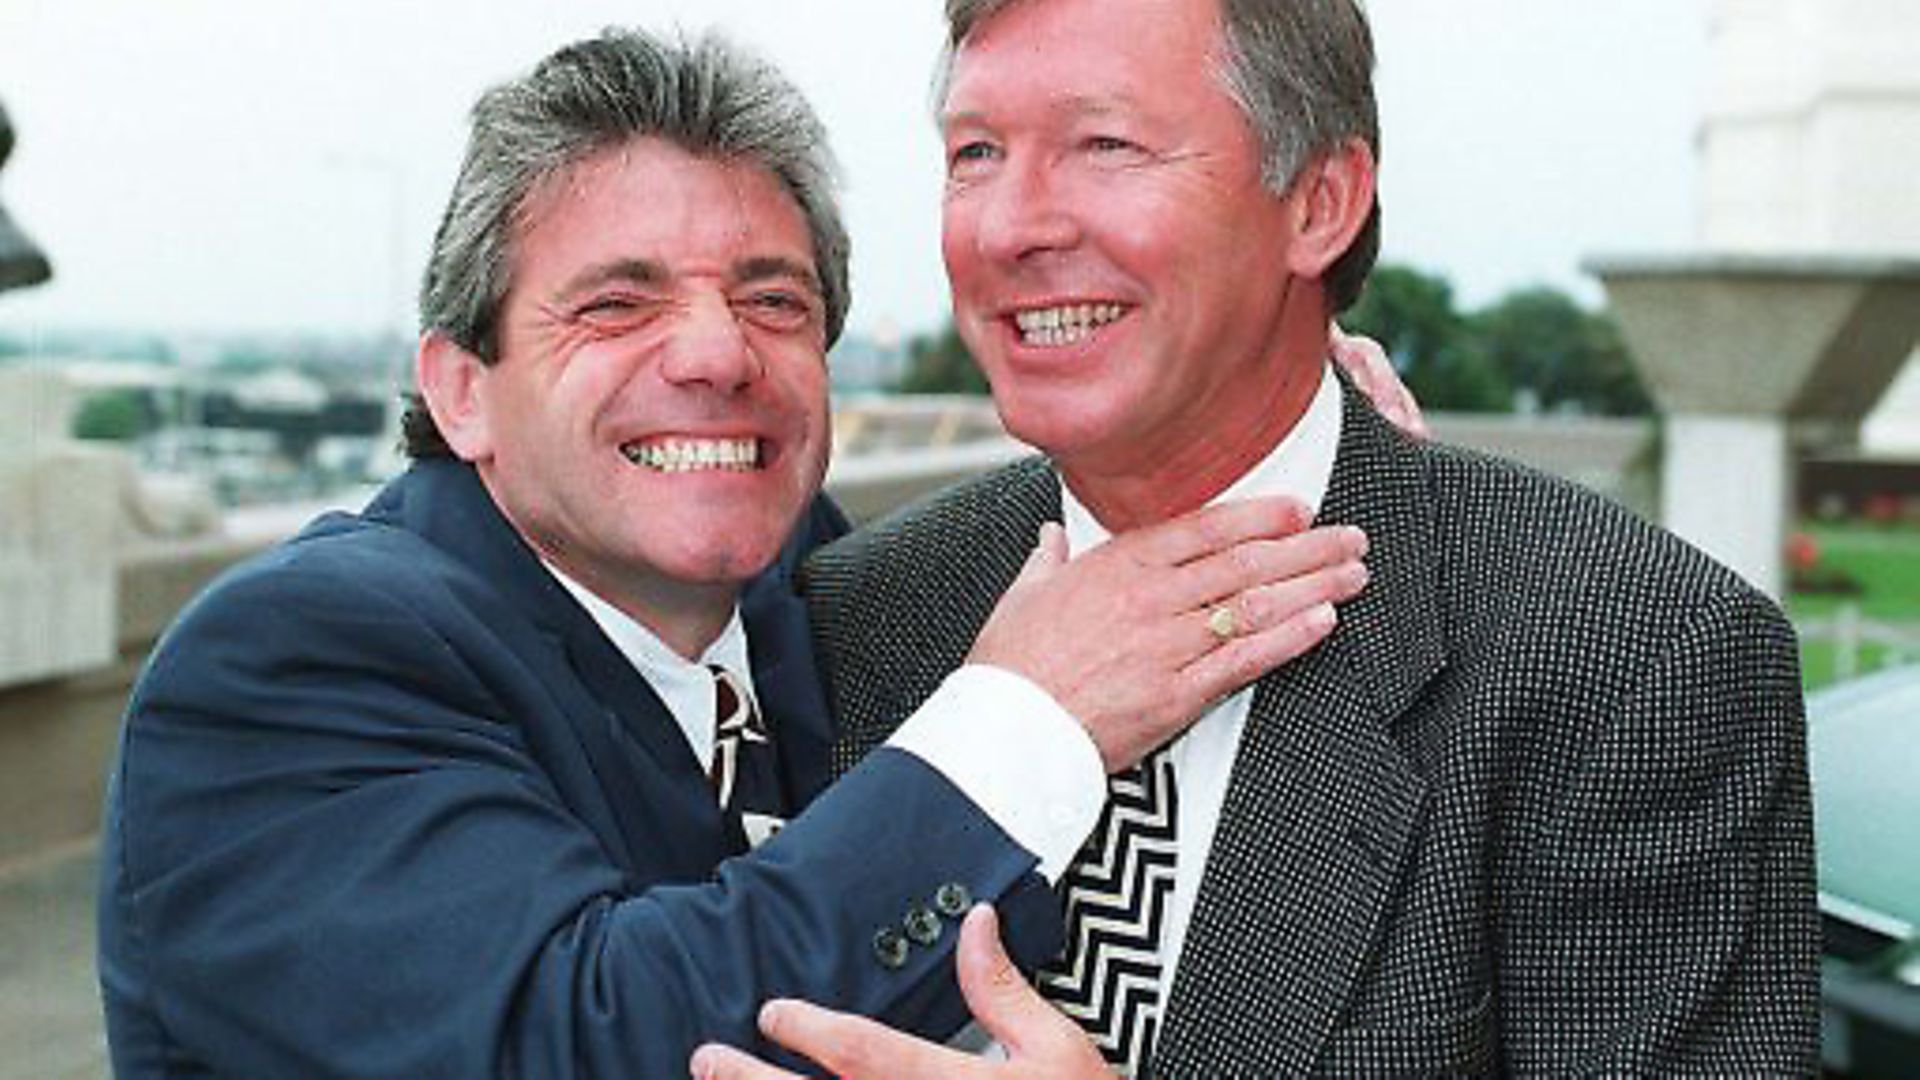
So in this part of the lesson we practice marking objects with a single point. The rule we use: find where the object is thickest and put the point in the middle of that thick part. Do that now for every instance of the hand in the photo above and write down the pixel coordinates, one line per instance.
(1138, 636)
(1041, 1044)
(1372, 371)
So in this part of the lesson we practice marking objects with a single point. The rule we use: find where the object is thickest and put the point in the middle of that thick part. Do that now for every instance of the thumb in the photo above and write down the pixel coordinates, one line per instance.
(998, 995)
(1049, 554)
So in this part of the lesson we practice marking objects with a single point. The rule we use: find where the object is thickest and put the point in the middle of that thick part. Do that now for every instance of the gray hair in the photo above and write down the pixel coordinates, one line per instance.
(1302, 70)
(707, 97)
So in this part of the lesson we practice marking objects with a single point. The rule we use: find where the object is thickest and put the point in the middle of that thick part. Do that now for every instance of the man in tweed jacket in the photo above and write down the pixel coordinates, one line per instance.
(1538, 805)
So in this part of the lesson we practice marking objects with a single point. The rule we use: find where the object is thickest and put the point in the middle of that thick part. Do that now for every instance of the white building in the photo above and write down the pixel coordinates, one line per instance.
(1811, 145)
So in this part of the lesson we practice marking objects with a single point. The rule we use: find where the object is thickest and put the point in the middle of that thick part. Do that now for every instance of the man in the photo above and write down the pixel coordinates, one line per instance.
(465, 785)
(1539, 803)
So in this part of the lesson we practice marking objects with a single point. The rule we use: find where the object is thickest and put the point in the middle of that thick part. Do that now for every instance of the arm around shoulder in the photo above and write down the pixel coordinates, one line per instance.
(336, 853)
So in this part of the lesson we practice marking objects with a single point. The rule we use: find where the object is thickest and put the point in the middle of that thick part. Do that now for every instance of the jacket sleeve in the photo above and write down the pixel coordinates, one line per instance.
(1669, 926)
(336, 858)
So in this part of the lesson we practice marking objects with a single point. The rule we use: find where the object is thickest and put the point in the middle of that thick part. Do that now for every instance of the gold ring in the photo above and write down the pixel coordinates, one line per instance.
(1221, 621)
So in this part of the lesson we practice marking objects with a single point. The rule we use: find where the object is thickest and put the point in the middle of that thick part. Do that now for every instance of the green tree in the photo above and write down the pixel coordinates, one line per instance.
(1569, 358)
(113, 416)
(1412, 315)
(939, 363)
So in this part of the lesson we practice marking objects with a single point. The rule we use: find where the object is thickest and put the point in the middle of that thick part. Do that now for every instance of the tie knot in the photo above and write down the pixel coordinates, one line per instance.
(728, 695)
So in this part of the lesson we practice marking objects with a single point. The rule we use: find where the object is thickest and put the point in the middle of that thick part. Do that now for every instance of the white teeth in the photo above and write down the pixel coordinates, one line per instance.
(1064, 325)
(691, 455)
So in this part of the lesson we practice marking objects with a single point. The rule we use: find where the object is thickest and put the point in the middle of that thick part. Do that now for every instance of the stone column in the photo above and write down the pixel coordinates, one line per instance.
(1750, 358)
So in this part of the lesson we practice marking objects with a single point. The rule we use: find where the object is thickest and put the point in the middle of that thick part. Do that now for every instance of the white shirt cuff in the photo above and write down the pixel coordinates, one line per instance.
(1022, 759)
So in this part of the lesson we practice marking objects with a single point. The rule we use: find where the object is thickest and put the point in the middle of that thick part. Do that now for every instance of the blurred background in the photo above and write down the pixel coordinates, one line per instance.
(1667, 248)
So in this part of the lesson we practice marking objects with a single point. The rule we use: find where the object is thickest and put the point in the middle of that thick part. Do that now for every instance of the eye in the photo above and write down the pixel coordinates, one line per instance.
(1113, 148)
(605, 305)
(613, 312)
(778, 309)
(970, 157)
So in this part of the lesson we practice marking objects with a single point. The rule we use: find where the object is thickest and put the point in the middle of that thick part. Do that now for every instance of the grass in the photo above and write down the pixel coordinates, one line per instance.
(1884, 562)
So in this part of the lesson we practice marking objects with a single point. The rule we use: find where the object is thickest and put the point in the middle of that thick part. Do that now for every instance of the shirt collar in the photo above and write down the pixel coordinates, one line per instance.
(1301, 466)
(684, 686)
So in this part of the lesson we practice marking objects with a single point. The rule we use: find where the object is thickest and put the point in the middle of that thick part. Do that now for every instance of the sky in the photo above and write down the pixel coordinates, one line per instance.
(264, 165)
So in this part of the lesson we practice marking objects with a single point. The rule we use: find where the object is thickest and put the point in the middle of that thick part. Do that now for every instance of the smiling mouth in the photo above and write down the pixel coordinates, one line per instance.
(681, 454)
(1065, 324)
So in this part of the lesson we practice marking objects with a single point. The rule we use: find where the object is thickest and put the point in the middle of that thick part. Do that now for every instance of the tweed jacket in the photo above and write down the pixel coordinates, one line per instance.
(1539, 804)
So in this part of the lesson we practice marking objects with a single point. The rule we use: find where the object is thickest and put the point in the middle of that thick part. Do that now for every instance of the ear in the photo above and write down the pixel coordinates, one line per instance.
(1331, 199)
(451, 382)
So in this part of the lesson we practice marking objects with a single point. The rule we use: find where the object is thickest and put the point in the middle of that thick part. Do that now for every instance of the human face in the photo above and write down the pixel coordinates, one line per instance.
(1118, 268)
(657, 416)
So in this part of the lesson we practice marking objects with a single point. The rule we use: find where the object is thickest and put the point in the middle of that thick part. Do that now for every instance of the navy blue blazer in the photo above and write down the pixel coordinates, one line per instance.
(389, 804)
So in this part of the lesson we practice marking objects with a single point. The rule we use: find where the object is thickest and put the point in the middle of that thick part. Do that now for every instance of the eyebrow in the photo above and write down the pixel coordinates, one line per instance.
(651, 272)
(1072, 105)
(764, 267)
(633, 271)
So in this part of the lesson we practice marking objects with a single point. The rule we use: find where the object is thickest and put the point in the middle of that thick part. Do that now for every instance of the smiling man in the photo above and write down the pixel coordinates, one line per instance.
(1537, 806)
(518, 772)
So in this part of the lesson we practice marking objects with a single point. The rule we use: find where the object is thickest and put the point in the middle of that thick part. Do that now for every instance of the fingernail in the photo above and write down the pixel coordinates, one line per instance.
(702, 1063)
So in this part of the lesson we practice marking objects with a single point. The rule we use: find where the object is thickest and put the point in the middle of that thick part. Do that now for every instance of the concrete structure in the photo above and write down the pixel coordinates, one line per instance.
(1811, 145)
(1753, 359)
(1802, 316)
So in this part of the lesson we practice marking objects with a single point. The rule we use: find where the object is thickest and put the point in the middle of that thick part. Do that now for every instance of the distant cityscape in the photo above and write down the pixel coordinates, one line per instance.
(272, 418)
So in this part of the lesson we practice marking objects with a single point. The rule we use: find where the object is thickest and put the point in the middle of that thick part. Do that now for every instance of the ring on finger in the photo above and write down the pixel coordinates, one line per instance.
(1222, 623)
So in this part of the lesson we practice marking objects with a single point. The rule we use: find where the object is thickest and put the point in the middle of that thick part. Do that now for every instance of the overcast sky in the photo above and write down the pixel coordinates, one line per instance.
(269, 165)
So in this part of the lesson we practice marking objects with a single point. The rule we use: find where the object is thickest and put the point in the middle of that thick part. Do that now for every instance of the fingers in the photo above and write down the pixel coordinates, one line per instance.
(1256, 563)
(1000, 997)
(854, 1047)
(1037, 1036)
(1213, 529)
(1240, 661)
(1265, 607)
(716, 1062)
(1372, 371)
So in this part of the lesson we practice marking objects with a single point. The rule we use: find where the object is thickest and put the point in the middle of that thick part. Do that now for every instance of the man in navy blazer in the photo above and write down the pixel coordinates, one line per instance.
(430, 790)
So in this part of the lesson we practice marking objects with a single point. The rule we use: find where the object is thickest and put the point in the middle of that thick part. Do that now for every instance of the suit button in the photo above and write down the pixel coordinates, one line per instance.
(923, 926)
(952, 899)
(890, 949)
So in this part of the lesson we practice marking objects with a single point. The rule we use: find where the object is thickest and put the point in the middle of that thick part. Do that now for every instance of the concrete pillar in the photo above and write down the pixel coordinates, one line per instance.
(1747, 358)
(1726, 487)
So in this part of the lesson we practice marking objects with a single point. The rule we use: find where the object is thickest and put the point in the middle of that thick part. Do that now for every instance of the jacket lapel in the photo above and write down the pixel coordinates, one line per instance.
(1321, 806)
(608, 707)
(787, 683)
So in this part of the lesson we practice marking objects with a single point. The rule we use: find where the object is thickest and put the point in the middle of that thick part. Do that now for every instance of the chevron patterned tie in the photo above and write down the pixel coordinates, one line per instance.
(736, 726)
(1117, 892)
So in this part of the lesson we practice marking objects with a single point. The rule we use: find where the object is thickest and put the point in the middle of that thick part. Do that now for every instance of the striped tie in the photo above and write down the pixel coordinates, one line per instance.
(1117, 892)
(736, 725)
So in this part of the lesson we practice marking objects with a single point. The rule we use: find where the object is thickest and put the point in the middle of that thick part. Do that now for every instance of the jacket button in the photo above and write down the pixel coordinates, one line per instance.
(923, 926)
(952, 899)
(890, 949)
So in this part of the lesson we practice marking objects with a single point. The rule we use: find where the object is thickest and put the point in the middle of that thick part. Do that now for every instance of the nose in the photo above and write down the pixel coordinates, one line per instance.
(1022, 214)
(709, 348)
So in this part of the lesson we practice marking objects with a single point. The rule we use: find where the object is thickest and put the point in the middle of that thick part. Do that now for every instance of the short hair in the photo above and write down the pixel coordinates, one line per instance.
(1302, 70)
(706, 96)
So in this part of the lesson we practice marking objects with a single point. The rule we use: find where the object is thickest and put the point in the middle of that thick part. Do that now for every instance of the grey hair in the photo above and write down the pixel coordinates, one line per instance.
(1301, 70)
(707, 96)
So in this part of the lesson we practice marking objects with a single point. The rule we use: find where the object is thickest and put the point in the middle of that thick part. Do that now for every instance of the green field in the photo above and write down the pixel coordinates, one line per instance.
(1884, 562)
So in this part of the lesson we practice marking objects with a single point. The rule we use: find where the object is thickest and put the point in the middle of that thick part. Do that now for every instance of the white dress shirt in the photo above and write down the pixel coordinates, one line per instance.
(1047, 800)
(1202, 758)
